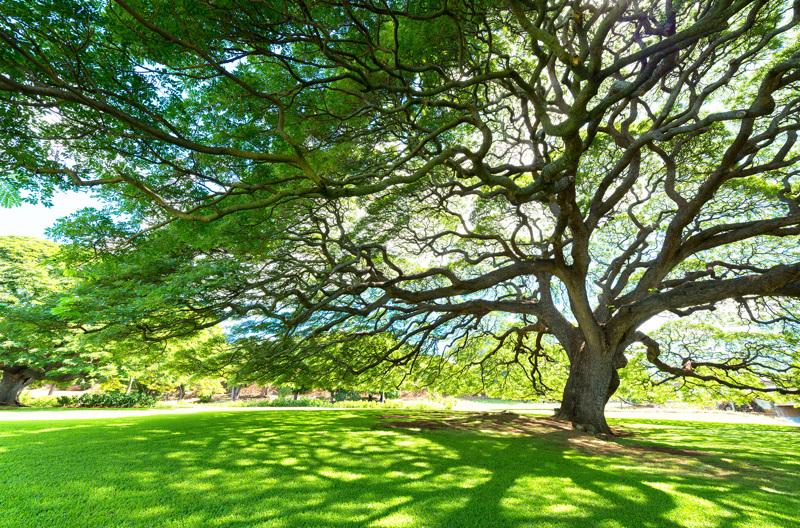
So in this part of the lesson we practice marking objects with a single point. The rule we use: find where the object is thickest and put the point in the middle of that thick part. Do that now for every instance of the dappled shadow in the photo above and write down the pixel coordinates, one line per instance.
(292, 469)
(508, 422)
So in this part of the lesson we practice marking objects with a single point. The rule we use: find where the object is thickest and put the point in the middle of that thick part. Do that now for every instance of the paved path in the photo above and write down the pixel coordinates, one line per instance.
(702, 416)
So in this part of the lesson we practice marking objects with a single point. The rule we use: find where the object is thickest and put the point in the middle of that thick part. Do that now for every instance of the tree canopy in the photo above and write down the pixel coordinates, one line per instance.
(482, 179)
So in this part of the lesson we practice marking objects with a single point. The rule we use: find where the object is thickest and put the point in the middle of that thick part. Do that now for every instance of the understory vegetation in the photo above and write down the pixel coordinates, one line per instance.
(115, 399)
(345, 404)
(407, 468)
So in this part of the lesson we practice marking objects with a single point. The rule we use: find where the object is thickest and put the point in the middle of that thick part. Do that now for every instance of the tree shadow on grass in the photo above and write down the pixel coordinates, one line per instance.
(295, 469)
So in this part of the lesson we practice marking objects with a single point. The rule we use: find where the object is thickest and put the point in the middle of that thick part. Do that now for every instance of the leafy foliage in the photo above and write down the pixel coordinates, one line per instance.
(108, 399)
(35, 342)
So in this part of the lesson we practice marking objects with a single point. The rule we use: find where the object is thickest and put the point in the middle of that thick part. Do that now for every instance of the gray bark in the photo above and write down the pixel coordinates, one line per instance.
(11, 386)
(592, 380)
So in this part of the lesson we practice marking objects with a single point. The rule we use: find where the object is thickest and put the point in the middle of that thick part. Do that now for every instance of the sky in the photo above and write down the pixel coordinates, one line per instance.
(32, 220)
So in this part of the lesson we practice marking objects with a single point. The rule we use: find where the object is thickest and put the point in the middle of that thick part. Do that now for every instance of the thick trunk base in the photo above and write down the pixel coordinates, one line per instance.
(11, 386)
(592, 380)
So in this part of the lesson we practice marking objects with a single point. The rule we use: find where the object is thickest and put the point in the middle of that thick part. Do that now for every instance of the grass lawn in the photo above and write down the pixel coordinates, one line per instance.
(346, 468)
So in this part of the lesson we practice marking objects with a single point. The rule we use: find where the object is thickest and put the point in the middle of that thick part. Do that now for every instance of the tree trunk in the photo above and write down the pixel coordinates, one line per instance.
(235, 390)
(52, 389)
(383, 396)
(295, 395)
(592, 380)
(181, 393)
(332, 391)
(130, 386)
(11, 386)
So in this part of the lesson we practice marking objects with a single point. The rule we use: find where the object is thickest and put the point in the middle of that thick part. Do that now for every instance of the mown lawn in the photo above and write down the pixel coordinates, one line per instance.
(333, 469)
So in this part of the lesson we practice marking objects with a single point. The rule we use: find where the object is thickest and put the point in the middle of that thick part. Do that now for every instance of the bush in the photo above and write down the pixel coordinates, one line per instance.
(281, 402)
(346, 395)
(43, 401)
(311, 402)
(108, 399)
(284, 393)
(446, 402)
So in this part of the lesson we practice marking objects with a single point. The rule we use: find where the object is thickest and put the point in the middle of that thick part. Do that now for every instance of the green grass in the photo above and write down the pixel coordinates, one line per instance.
(331, 469)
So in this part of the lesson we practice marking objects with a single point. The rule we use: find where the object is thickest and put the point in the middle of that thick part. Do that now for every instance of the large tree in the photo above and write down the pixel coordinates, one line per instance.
(450, 171)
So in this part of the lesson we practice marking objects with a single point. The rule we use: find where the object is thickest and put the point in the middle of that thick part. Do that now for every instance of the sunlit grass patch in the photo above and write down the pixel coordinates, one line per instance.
(343, 468)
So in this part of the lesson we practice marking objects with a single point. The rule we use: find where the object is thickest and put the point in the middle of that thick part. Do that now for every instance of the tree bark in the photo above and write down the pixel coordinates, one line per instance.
(235, 390)
(11, 386)
(181, 393)
(130, 386)
(52, 389)
(592, 380)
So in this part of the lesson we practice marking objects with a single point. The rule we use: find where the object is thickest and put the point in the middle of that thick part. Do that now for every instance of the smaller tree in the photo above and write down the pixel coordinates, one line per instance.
(195, 361)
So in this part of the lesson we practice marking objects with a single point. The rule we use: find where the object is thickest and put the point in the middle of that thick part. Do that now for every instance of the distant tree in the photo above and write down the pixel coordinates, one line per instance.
(434, 169)
(35, 344)
(49, 331)
(198, 361)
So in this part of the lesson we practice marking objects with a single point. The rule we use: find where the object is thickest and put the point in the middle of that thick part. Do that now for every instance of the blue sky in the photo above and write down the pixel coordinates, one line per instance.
(32, 220)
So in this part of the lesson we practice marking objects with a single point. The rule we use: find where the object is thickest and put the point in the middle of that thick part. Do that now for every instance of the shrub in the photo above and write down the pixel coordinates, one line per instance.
(346, 395)
(446, 402)
(282, 402)
(43, 401)
(284, 392)
(108, 399)
(311, 402)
